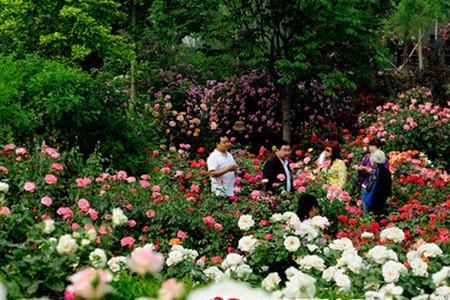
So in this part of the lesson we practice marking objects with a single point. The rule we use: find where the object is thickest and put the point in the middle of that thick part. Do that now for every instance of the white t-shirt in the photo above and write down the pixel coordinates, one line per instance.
(288, 175)
(221, 185)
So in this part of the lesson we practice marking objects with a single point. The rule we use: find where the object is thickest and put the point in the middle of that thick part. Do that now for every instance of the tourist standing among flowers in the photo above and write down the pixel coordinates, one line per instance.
(365, 167)
(221, 168)
(333, 168)
(379, 186)
(276, 170)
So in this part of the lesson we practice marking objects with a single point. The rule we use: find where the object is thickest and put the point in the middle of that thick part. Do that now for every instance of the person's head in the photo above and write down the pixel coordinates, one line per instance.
(222, 143)
(283, 149)
(308, 207)
(332, 150)
(378, 157)
(375, 144)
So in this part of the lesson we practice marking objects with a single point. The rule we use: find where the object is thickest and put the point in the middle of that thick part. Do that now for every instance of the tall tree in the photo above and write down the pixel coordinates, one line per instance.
(412, 20)
(332, 42)
(75, 31)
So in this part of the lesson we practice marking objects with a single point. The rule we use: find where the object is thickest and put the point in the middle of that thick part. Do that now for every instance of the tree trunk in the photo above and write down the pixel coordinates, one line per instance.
(420, 50)
(285, 112)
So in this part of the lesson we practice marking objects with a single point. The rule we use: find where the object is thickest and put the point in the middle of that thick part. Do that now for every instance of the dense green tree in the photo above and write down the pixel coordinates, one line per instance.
(413, 19)
(75, 31)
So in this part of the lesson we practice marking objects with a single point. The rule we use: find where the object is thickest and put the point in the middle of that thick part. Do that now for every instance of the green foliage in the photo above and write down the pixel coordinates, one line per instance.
(68, 30)
(52, 102)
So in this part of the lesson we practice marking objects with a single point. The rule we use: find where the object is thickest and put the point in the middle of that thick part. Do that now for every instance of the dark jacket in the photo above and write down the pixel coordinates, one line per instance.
(382, 190)
(272, 169)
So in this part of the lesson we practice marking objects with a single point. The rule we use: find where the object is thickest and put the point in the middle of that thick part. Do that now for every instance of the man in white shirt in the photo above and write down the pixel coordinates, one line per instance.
(221, 168)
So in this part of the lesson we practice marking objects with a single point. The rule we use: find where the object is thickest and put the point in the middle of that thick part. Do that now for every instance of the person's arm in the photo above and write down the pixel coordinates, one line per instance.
(215, 173)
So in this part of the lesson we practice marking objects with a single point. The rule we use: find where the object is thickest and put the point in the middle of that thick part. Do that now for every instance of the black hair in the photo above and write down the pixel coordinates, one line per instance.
(281, 143)
(305, 204)
(218, 137)
(377, 143)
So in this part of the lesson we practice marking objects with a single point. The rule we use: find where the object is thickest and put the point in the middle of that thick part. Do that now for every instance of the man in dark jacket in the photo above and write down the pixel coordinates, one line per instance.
(277, 172)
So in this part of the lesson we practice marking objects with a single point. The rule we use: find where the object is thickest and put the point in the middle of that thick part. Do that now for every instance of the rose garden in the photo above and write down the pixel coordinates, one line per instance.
(105, 190)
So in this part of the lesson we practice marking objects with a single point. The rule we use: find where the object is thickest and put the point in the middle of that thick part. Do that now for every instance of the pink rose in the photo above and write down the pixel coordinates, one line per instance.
(4, 170)
(21, 151)
(171, 289)
(281, 177)
(83, 204)
(51, 179)
(218, 226)
(181, 234)
(83, 182)
(127, 241)
(156, 189)
(131, 223)
(143, 261)
(57, 167)
(208, 220)
(151, 213)
(47, 201)
(66, 212)
(4, 210)
(29, 186)
(90, 284)
(144, 184)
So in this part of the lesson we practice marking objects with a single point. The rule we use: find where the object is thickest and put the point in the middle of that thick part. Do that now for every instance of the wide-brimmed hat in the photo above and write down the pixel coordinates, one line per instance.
(239, 126)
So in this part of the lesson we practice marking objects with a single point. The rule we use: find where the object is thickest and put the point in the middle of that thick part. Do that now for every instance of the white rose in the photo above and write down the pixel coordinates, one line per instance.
(175, 257)
(300, 286)
(271, 282)
(243, 270)
(276, 217)
(98, 258)
(442, 292)
(419, 267)
(342, 280)
(66, 244)
(392, 270)
(290, 272)
(245, 222)
(91, 235)
(4, 187)
(341, 244)
(190, 254)
(232, 259)
(292, 243)
(118, 217)
(309, 262)
(328, 274)
(367, 235)
(49, 226)
(214, 273)
(312, 247)
(441, 276)
(380, 254)
(305, 229)
(320, 222)
(429, 250)
(352, 261)
(393, 234)
(117, 263)
(287, 216)
(85, 242)
(247, 243)
(390, 291)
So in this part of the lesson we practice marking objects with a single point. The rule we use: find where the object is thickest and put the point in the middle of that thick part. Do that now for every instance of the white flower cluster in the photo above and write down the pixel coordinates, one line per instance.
(392, 234)
(246, 222)
(98, 258)
(247, 243)
(178, 253)
(118, 217)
